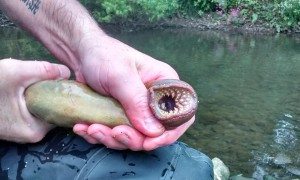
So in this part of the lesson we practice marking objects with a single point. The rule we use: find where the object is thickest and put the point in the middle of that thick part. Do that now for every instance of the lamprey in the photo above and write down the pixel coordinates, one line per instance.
(66, 102)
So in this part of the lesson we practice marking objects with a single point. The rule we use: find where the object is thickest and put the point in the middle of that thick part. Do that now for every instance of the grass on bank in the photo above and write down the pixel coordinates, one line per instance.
(283, 15)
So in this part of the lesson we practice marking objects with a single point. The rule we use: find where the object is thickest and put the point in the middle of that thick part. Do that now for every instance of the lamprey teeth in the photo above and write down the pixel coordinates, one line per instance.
(173, 102)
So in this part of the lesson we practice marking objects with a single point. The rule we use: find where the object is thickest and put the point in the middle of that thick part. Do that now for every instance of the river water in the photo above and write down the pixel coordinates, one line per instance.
(248, 87)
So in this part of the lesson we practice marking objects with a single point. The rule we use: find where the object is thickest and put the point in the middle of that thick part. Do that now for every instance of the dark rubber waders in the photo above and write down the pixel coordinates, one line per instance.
(63, 155)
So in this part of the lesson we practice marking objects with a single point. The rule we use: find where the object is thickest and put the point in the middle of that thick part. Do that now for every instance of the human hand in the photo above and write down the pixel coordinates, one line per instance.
(17, 124)
(115, 69)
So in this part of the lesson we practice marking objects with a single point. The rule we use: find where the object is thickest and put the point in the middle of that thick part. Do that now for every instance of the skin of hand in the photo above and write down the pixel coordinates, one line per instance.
(115, 69)
(104, 63)
(17, 124)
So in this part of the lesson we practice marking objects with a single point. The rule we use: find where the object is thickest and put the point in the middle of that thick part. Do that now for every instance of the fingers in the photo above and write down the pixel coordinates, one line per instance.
(167, 138)
(103, 134)
(125, 137)
(120, 137)
(128, 136)
(98, 134)
(23, 126)
(35, 71)
(81, 130)
(32, 71)
(133, 95)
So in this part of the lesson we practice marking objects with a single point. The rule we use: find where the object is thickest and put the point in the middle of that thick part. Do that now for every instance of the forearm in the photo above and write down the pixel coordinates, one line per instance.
(61, 25)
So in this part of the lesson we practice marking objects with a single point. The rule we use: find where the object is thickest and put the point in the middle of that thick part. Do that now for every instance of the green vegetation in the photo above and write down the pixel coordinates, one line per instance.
(119, 10)
(280, 14)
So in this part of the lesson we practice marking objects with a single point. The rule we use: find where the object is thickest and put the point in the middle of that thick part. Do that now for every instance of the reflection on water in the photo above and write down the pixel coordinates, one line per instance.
(248, 88)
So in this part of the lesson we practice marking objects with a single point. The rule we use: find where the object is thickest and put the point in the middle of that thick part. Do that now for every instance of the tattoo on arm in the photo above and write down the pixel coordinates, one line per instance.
(32, 5)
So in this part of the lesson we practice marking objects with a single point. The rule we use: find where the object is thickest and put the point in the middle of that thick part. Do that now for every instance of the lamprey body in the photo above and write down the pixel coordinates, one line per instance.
(66, 102)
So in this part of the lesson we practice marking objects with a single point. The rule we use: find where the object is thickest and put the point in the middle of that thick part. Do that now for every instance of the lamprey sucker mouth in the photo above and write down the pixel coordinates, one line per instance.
(66, 102)
(173, 102)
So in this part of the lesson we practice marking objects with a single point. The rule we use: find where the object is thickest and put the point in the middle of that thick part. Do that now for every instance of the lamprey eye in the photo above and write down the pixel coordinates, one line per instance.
(167, 103)
(173, 102)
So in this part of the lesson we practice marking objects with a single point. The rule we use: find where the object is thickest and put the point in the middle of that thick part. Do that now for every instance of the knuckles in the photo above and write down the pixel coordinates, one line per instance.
(49, 70)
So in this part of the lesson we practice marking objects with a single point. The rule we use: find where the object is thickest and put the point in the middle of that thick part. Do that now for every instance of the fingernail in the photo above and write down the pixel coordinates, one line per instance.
(98, 135)
(154, 125)
(81, 133)
(64, 71)
(123, 138)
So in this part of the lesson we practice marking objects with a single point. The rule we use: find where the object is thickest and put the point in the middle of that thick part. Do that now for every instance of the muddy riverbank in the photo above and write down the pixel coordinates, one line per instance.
(206, 22)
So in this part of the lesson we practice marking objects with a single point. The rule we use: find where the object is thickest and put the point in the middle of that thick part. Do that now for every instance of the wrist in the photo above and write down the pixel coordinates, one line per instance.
(93, 45)
(66, 43)
(83, 47)
(80, 43)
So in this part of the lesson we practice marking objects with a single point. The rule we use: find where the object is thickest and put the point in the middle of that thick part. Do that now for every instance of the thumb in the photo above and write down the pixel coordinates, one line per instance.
(33, 71)
(133, 95)
(30, 72)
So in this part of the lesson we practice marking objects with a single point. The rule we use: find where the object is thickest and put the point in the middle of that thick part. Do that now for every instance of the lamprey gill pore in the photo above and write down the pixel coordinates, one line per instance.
(67, 102)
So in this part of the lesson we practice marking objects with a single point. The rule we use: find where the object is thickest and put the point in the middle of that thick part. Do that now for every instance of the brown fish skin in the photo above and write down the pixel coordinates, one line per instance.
(67, 102)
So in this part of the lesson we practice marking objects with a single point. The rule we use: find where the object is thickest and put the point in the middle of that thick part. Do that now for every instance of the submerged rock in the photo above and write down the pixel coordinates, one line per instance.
(268, 177)
(279, 158)
(282, 159)
(294, 170)
(221, 171)
(240, 177)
